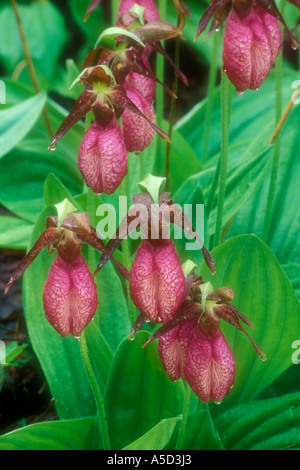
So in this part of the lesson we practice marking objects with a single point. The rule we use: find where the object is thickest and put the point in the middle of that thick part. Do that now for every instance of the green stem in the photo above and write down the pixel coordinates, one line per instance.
(160, 72)
(96, 391)
(127, 261)
(210, 96)
(172, 109)
(225, 102)
(276, 152)
(114, 10)
(30, 64)
(183, 423)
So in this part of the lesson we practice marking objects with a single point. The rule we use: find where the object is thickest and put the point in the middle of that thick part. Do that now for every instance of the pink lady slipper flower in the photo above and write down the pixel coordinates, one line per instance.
(102, 157)
(138, 133)
(70, 296)
(252, 42)
(192, 346)
(157, 285)
(252, 38)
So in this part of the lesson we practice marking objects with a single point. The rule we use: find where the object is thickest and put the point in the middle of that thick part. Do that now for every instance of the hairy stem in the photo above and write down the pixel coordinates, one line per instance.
(30, 64)
(225, 105)
(127, 261)
(96, 391)
(160, 70)
(172, 108)
(210, 96)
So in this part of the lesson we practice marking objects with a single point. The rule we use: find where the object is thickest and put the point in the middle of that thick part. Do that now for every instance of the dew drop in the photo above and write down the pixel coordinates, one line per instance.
(77, 337)
(132, 338)
(240, 92)
(53, 148)
(147, 320)
(218, 402)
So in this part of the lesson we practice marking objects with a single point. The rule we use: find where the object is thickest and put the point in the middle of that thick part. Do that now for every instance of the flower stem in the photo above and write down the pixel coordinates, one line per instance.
(225, 105)
(160, 71)
(277, 147)
(30, 64)
(210, 96)
(96, 391)
(114, 10)
(172, 107)
(127, 261)
(183, 422)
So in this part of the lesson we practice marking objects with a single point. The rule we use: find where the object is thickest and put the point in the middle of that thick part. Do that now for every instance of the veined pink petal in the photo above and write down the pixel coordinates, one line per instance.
(138, 133)
(70, 296)
(144, 85)
(102, 157)
(158, 284)
(151, 11)
(209, 366)
(250, 47)
(172, 348)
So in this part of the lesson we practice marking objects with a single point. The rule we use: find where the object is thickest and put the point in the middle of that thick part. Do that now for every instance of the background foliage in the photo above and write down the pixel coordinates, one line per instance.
(144, 408)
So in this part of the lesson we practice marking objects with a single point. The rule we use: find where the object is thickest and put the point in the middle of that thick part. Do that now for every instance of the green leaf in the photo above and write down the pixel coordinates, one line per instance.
(45, 31)
(55, 192)
(23, 173)
(285, 223)
(249, 115)
(157, 438)
(200, 433)
(14, 232)
(114, 317)
(264, 295)
(107, 37)
(293, 273)
(139, 393)
(271, 424)
(17, 121)
(59, 357)
(12, 350)
(57, 435)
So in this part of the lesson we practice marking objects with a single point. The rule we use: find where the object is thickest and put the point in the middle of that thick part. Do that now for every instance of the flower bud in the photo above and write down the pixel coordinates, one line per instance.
(138, 133)
(157, 285)
(70, 294)
(252, 42)
(102, 157)
(204, 361)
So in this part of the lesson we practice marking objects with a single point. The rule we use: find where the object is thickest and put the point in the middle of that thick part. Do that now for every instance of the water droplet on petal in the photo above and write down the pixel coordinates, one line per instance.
(77, 337)
(147, 320)
(218, 402)
(53, 148)
(240, 92)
